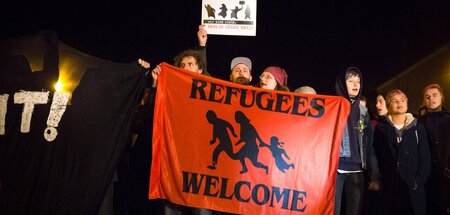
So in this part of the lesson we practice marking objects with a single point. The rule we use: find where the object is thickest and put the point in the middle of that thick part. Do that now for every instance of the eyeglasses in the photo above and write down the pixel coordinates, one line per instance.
(267, 77)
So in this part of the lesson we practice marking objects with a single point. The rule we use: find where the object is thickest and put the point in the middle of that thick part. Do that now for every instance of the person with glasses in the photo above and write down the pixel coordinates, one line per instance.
(273, 78)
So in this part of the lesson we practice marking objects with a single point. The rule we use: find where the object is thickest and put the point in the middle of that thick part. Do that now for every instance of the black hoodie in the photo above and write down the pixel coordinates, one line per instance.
(352, 163)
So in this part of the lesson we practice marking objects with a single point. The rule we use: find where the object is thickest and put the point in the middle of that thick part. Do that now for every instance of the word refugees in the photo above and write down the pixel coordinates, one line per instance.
(264, 100)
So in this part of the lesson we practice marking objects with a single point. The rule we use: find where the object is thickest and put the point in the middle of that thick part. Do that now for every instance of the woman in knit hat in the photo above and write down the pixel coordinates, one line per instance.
(273, 78)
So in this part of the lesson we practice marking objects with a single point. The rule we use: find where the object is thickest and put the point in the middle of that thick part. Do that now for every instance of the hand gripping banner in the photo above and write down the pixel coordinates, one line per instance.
(242, 149)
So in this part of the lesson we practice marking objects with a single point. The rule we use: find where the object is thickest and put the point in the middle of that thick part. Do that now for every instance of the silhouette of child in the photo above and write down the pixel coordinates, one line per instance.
(277, 152)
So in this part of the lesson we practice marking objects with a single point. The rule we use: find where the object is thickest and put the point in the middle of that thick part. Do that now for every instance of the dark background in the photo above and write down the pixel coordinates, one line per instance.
(312, 41)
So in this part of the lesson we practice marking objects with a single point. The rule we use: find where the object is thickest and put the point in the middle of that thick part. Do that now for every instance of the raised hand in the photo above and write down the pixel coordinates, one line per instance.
(202, 35)
(155, 73)
(144, 63)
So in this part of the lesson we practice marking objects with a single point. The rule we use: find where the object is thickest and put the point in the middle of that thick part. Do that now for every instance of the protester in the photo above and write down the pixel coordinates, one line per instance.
(437, 124)
(241, 70)
(381, 111)
(356, 154)
(191, 60)
(306, 90)
(273, 78)
(240, 66)
(381, 106)
(370, 199)
(401, 146)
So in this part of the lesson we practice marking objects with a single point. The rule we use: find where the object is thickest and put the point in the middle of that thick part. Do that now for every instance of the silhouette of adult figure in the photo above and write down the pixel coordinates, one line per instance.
(247, 12)
(250, 150)
(235, 11)
(277, 152)
(211, 11)
(220, 132)
(223, 12)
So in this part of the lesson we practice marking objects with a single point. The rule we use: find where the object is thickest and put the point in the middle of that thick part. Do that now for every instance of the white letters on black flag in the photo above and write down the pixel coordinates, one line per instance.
(231, 17)
(3, 106)
(29, 100)
(57, 110)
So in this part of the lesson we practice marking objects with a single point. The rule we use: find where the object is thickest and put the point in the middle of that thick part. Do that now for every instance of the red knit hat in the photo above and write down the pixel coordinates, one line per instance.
(279, 74)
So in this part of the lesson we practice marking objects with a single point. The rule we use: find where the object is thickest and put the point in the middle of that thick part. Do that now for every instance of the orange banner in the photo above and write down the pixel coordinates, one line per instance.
(242, 149)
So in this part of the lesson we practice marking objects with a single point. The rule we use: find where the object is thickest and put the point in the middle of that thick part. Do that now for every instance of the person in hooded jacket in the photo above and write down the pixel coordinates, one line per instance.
(401, 146)
(437, 123)
(356, 152)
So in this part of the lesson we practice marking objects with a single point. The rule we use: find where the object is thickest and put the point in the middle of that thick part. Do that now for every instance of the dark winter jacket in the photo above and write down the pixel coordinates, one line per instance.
(404, 160)
(437, 125)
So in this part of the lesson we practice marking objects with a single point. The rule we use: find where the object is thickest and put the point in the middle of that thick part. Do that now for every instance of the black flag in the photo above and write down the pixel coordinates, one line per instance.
(71, 173)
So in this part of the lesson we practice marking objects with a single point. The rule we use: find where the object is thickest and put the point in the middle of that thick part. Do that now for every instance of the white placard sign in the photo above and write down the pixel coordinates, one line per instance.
(231, 17)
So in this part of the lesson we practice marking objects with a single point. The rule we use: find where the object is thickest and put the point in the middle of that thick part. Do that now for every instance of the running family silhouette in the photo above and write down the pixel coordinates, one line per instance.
(248, 136)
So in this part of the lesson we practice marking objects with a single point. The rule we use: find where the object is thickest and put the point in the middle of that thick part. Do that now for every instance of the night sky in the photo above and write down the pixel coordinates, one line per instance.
(312, 41)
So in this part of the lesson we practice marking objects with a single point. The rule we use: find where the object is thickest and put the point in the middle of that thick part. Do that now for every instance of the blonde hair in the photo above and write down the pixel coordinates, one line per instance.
(392, 93)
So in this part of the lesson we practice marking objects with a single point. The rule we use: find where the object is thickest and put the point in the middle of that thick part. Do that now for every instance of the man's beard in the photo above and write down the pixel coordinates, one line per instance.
(242, 80)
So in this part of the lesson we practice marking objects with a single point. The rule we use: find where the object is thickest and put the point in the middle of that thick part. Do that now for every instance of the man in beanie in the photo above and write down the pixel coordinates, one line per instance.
(273, 78)
(241, 68)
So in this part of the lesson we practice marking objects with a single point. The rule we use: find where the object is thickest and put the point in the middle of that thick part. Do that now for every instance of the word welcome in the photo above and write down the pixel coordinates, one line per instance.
(260, 194)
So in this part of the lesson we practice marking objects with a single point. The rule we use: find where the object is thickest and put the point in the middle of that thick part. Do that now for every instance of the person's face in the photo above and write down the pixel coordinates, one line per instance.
(432, 99)
(381, 106)
(363, 103)
(240, 71)
(267, 81)
(398, 105)
(353, 85)
(189, 63)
